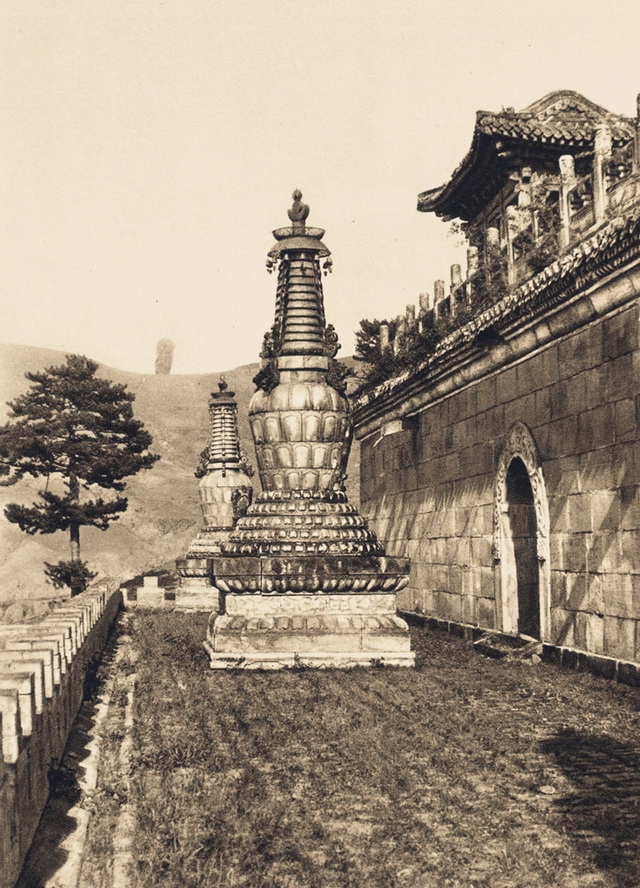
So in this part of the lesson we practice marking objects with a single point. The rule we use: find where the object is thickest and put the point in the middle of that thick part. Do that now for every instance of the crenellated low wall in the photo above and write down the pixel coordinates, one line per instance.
(43, 671)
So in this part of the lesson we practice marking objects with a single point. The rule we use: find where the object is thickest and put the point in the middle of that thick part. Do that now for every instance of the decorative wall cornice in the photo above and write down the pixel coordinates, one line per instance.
(463, 357)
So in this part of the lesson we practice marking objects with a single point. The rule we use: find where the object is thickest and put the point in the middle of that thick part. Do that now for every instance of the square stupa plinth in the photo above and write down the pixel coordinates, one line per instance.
(266, 625)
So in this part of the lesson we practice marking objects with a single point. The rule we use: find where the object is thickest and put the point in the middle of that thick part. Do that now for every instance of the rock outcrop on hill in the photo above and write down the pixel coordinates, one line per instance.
(164, 356)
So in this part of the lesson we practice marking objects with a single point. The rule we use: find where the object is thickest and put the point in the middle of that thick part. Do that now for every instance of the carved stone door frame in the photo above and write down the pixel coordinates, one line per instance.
(520, 443)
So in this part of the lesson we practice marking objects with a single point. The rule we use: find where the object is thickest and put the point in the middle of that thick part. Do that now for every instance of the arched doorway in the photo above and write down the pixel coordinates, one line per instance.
(522, 527)
(521, 538)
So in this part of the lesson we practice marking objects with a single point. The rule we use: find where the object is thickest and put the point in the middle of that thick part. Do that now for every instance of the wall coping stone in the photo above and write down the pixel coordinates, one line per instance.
(42, 672)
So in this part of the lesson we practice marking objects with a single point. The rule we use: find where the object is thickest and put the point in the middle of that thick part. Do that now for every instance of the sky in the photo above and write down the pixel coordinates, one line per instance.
(148, 149)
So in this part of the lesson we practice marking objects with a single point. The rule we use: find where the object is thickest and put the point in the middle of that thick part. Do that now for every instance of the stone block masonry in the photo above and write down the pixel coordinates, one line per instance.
(431, 479)
(192, 594)
(43, 673)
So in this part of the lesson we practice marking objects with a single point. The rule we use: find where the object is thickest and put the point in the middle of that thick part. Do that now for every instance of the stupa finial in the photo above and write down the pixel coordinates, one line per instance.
(298, 212)
(223, 384)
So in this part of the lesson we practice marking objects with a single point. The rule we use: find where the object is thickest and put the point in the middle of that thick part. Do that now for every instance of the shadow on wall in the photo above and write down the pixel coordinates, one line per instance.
(602, 814)
(596, 554)
(420, 523)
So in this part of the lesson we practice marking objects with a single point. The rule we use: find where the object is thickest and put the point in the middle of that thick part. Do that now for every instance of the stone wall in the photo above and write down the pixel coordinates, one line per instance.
(43, 671)
(564, 400)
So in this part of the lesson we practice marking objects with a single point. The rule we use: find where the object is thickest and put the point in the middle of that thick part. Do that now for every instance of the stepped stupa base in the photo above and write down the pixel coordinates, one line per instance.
(193, 594)
(318, 630)
(195, 591)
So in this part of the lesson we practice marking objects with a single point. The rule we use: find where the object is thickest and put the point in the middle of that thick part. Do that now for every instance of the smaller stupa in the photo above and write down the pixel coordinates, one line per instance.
(225, 494)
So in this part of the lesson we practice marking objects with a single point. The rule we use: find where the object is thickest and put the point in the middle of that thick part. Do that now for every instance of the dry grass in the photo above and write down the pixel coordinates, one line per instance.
(462, 772)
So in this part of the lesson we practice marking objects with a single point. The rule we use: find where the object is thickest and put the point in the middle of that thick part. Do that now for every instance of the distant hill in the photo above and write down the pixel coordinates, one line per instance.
(164, 512)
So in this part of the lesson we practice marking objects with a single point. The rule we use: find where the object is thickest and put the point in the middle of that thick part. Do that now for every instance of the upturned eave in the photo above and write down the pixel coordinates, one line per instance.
(502, 139)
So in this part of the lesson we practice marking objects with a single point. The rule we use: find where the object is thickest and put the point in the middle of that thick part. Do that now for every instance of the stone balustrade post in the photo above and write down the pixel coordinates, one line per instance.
(438, 297)
(426, 307)
(410, 316)
(513, 227)
(601, 153)
(473, 264)
(456, 284)
(493, 236)
(524, 188)
(384, 338)
(473, 261)
(425, 303)
(567, 182)
(399, 343)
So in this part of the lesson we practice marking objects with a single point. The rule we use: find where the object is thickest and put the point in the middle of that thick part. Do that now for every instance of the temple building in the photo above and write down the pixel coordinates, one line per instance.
(537, 180)
(499, 425)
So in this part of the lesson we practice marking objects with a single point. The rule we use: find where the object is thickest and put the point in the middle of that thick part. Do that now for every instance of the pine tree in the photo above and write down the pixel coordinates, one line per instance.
(78, 432)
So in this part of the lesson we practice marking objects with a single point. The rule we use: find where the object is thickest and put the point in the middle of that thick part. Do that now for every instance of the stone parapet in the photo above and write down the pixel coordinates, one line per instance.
(601, 275)
(43, 670)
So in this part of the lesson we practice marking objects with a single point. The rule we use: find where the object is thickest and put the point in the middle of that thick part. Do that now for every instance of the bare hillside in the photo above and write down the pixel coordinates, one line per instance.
(163, 513)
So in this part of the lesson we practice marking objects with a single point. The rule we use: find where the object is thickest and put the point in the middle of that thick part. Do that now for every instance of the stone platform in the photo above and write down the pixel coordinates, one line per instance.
(304, 629)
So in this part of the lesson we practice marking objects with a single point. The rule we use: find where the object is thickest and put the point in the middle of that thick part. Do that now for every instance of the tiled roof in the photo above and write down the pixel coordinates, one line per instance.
(560, 120)
(565, 132)
(592, 258)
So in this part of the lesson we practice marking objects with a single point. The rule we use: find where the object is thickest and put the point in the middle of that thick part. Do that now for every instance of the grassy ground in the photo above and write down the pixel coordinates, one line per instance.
(464, 771)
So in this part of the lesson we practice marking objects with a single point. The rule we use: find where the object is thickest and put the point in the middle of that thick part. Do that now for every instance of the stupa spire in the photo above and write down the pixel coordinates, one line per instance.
(224, 445)
(299, 327)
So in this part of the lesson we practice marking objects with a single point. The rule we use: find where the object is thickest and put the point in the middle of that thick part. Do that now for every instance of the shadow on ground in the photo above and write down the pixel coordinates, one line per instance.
(48, 853)
(602, 813)
(55, 834)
